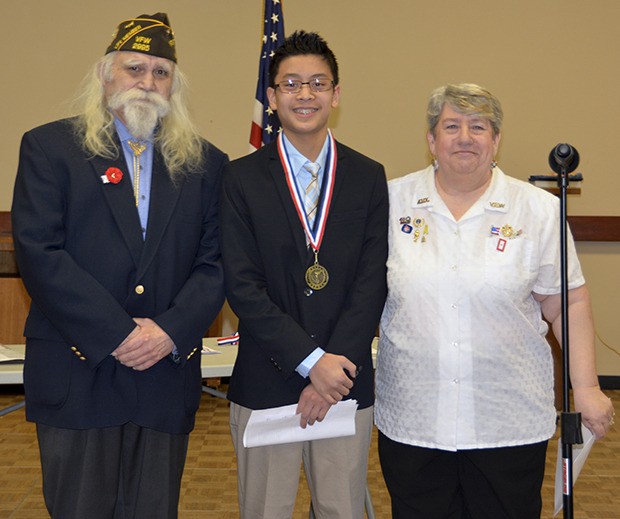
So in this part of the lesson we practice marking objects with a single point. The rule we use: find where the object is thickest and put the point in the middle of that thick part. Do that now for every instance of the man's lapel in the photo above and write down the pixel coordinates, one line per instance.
(277, 172)
(341, 176)
(122, 203)
(294, 223)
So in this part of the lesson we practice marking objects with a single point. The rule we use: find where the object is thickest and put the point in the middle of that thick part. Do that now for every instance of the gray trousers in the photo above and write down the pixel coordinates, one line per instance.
(124, 472)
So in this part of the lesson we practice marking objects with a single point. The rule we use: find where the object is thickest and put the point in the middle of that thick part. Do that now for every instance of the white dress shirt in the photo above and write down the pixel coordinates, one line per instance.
(463, 362)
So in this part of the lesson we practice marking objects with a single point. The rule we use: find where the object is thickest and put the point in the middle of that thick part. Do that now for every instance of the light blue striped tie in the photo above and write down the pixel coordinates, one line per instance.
(311, 199)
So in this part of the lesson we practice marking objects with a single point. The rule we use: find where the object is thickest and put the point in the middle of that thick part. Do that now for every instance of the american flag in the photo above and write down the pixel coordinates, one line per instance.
(265, 122)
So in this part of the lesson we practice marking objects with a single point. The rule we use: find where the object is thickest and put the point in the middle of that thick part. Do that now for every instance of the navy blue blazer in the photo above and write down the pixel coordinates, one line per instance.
(281, 321)
(80, 252)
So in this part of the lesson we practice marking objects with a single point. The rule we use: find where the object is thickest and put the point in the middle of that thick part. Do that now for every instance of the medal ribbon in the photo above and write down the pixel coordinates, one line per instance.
(315, 237)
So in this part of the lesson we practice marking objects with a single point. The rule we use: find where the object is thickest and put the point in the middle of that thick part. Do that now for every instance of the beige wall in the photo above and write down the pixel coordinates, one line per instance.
(552, 63)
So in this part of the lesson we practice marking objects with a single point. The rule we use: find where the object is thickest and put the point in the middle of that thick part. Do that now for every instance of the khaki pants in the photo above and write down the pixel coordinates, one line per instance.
(335, 468)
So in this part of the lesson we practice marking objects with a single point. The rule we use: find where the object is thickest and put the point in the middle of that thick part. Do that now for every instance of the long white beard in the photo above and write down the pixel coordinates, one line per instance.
(141, 110)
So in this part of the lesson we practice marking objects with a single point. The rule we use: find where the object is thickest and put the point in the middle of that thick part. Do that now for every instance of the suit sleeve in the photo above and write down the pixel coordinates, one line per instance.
(81, 310)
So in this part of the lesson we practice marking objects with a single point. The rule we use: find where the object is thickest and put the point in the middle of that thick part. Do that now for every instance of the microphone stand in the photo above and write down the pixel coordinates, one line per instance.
(570, 422)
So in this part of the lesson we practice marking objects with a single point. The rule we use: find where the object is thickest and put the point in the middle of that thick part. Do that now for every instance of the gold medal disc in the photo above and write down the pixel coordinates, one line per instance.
(317, 276)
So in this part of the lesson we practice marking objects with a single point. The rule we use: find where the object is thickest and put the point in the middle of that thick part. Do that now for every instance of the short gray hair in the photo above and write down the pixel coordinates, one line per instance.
(467, 99)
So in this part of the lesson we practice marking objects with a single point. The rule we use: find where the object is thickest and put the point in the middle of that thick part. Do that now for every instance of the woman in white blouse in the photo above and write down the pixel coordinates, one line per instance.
(465, 402)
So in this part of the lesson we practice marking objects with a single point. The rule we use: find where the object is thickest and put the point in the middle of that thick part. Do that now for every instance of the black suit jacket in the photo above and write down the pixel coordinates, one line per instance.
(281, 321)
(80, 252)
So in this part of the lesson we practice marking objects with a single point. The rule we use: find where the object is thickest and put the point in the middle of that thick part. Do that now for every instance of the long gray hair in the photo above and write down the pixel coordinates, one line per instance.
(176, 136)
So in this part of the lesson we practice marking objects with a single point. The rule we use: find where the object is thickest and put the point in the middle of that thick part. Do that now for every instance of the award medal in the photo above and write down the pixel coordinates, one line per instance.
(316, 275)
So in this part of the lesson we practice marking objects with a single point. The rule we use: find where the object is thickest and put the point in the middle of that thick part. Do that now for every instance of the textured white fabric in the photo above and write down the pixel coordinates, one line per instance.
(463, 362)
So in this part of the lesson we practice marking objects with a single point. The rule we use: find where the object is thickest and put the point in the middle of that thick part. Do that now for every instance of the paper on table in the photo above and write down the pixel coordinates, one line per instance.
(9, 355)
(580, 454)
(281, 425)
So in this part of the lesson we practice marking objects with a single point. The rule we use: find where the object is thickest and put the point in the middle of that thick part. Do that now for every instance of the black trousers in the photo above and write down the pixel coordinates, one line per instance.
(124, 472)
(499, 483)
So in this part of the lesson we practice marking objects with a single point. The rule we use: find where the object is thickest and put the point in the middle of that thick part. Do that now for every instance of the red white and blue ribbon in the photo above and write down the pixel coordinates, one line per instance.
(231, 339)
(315, 236)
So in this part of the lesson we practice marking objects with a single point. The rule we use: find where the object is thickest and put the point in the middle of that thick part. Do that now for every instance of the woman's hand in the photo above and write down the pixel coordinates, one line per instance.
(597, 412)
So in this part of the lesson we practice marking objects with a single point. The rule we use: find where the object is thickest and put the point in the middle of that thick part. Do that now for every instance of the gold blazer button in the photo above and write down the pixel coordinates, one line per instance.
(140, 289)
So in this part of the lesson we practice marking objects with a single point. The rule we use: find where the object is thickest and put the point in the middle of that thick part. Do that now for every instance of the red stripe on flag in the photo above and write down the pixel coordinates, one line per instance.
(256, 136)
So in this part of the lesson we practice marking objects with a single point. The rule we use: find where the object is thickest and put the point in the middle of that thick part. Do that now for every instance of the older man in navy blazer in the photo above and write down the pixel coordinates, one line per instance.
(115, 219)
(304, 233)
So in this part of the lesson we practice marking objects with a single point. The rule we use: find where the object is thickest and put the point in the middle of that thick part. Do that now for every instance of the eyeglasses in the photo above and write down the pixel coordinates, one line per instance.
(292, 86)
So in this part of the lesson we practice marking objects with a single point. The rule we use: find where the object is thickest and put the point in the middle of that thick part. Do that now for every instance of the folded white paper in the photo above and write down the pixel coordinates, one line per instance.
(281, 425)
(580, 454)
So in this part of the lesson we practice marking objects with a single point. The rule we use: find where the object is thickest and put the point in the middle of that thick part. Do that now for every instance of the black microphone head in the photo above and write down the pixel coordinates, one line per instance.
(564, 158)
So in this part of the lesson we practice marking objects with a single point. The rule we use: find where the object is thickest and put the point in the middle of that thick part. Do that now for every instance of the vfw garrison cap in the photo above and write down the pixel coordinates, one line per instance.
(148, 33)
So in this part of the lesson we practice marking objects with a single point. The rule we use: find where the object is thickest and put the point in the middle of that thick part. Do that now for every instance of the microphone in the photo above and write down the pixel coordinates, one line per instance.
(563, 158)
